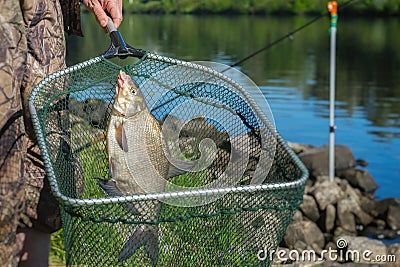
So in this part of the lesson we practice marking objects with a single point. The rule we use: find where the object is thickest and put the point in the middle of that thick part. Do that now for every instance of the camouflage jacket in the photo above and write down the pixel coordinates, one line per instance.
(71, 15)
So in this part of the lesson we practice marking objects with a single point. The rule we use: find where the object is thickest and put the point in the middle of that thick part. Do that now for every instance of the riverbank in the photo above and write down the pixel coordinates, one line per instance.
(341, 216)
(263, 7)
(345, 212)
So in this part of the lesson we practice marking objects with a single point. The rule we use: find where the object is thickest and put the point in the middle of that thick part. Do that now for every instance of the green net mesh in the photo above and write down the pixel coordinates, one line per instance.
(248, 214)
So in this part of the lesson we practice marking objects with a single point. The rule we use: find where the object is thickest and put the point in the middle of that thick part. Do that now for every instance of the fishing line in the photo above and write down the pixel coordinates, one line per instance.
(269, 46)
(288, 35)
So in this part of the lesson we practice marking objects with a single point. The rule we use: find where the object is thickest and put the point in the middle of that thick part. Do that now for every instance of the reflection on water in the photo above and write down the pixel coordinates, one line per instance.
(294, 75)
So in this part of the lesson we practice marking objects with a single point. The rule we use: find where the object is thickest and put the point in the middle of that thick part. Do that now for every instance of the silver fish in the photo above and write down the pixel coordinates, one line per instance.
(136, 148)
(138, 162)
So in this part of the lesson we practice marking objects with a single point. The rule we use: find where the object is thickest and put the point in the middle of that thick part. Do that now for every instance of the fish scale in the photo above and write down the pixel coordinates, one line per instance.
(144, 160)
(146, 153)
(138, 164)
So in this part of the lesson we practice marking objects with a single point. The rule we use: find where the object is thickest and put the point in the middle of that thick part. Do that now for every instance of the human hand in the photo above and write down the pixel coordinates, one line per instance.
(100, 7)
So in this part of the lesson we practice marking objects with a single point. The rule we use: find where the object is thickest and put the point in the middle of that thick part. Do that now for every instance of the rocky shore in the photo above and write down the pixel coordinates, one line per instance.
(341, 221)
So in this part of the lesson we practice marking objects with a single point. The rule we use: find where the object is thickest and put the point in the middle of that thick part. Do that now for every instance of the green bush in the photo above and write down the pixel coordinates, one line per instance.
(378, 7)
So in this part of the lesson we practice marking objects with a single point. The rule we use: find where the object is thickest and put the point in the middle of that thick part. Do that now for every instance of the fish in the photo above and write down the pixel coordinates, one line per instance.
(138, 163)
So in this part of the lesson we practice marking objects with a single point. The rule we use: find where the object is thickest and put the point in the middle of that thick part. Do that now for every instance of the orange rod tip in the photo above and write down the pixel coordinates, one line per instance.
(332, 7)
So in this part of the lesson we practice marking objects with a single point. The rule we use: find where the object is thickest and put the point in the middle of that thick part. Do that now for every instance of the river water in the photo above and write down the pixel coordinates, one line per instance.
(293, 75)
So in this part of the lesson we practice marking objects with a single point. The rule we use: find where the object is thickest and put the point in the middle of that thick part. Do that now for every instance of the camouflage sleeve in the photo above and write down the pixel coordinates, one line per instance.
(32, 46)
(12, 58)
(72, 16)
(45, 54)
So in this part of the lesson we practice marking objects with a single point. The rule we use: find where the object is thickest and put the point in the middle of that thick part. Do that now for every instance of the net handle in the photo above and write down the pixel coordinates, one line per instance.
(119, 48)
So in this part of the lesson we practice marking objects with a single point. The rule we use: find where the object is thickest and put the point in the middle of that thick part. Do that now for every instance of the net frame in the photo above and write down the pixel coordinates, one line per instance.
(70, 203)
(202, 192)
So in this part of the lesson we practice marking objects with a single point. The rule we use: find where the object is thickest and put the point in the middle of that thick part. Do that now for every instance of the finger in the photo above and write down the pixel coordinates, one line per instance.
(120, 8)
(100, 15)
(114, 8)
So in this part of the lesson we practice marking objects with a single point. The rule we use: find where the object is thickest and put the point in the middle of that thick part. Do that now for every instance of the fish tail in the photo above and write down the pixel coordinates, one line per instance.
(144, 236)
(110, 188)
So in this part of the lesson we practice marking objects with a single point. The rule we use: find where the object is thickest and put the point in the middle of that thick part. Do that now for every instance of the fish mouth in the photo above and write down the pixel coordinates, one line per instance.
(120, 80)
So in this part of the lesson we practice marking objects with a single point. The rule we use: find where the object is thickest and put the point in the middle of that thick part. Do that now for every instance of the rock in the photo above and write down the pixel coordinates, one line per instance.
(393, 217)
(342, 183)
(361, 249)
(219, 165)
(339, 231)
(348, 207)
(196, 126)
(309, 187)
(300, 245)
(305, 231)
(368, 205)
(281, 256)
(326, 193)
(379, 223)
(171, 125)
(345, 217)
(93, 110)
(330, 218)
(317, 159)
(98, 110)
(359, 178)
(362, 162)
(358, 192)
(330, 245)
(393, 255)
(297, 217)
(298, 148)
(382, 206)
(353, 202)
(195, 129)
(345, 207)
(322, 178)
(350, 192)
(380, 233)
(310, 208)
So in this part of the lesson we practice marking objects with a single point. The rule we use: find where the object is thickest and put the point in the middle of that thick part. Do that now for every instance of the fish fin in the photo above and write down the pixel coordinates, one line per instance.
(110, 188)
(120, 135)
(110, 168)
(175, 171)
(143, 236)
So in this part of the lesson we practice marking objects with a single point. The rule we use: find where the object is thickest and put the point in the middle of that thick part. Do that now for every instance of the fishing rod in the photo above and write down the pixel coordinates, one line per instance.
(289, 35)
(268, 46)
(332, 7)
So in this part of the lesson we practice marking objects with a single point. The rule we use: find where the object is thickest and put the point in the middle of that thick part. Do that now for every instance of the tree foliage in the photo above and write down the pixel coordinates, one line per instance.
(375, 7)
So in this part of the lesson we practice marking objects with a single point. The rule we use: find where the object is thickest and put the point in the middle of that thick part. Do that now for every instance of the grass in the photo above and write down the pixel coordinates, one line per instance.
(186, 239)
(57, 252)
(207, 240)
